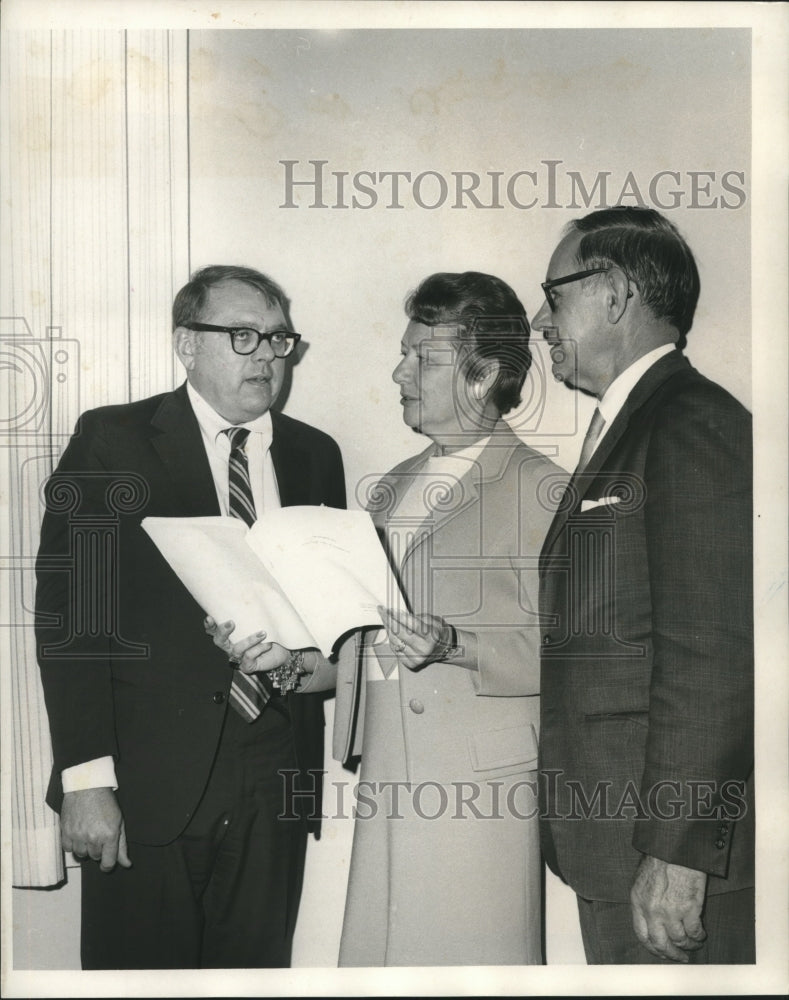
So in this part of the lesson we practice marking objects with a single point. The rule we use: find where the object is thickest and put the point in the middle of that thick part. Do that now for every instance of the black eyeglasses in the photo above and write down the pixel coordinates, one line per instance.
(245, 340)
(548, 285)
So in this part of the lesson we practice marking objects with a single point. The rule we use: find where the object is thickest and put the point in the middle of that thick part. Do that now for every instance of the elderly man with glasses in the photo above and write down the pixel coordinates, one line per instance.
(646, 741)
(168, 763)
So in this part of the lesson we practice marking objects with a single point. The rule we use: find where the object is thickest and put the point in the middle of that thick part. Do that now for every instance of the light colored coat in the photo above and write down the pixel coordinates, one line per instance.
(476, 565)
(454, 890)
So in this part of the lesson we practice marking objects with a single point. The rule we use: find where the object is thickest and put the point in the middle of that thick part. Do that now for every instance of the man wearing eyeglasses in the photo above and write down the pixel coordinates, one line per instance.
(646, 609)
(171, 776)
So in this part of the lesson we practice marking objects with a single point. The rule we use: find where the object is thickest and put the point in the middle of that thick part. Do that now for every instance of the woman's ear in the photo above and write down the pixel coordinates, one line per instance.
(486, 378)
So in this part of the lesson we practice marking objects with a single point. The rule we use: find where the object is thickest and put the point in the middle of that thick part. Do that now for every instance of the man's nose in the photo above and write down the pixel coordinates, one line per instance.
(264, 351)
(543, 318)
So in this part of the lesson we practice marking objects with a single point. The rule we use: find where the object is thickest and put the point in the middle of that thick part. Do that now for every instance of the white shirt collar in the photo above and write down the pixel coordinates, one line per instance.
(616, 394)
(213, 425)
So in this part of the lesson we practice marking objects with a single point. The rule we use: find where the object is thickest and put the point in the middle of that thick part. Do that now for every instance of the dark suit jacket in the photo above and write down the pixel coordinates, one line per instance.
(126, 667)
(647, 655)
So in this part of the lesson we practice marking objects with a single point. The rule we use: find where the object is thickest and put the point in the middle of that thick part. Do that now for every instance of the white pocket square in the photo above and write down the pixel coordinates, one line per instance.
(602, 502)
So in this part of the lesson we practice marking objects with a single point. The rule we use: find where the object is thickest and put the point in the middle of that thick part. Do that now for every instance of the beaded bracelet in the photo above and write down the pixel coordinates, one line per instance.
(288, 676)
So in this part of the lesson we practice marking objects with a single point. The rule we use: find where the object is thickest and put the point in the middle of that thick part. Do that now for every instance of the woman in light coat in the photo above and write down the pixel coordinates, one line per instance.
(442, 704)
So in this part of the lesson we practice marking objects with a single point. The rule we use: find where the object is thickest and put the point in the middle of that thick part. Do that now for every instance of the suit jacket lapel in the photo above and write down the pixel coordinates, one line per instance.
(178, 441)
(579, 485)
(292, 466)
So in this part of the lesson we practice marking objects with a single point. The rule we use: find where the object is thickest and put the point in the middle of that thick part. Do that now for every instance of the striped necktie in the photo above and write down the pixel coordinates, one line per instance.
(248, 692)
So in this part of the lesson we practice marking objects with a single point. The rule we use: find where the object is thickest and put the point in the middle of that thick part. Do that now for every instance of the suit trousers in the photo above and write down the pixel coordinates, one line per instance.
(728, 918)
(225, 893)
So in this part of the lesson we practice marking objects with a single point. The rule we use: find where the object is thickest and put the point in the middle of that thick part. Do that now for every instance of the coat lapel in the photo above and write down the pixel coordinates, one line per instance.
(179, 444)
(489, 465)
(578, 485)
(292, 466)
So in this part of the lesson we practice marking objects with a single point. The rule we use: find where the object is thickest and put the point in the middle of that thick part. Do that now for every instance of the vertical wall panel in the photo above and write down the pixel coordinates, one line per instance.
(26, 454)
(158, 200)
(90, 294)
(95, 236)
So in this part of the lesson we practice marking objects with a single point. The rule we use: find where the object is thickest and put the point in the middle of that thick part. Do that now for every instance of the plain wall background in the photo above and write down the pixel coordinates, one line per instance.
(618, 101)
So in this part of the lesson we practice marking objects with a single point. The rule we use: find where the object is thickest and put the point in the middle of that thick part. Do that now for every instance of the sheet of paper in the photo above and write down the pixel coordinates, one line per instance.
(331, 564)
(226, 578)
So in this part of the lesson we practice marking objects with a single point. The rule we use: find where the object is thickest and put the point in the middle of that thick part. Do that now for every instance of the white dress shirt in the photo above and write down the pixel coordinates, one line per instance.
(100, 773)
(258, 451)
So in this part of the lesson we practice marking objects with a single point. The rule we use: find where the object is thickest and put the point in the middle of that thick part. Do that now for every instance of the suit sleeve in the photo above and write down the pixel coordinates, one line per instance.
(698, 523)
(74, 662)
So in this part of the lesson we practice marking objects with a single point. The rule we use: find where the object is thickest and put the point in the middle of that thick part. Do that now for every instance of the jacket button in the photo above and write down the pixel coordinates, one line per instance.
(720, 843)
(218, 697)
(546, 640)
(416, 706)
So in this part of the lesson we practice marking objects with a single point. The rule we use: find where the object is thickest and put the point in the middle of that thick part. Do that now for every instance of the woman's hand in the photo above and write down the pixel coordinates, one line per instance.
(252, 655)
(415, 640)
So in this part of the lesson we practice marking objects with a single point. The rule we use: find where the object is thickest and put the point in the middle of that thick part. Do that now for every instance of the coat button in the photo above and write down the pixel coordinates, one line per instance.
(546, 640)
(218, 697)
(720, 843)
(416, 706)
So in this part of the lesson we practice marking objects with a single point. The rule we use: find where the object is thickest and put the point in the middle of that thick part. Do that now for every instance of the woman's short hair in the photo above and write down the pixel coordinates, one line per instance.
(189, 301)
(651, 251)
(490, 319)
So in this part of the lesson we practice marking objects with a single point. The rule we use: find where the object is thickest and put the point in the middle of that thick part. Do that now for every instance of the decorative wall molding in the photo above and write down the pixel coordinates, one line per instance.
(95, 231)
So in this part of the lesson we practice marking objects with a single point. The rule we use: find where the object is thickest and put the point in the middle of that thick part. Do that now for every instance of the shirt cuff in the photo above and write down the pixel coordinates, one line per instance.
(98, 773)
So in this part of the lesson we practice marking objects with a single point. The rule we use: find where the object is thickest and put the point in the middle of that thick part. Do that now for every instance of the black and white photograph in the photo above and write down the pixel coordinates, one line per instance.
(394, 534)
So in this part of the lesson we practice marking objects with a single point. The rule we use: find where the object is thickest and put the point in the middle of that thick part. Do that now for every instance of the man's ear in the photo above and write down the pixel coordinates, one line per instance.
(618, 293)
(185, 346)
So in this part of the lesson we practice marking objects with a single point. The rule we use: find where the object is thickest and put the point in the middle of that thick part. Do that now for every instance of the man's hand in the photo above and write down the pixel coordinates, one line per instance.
(667, 901)
(252, 655)
(91, 825)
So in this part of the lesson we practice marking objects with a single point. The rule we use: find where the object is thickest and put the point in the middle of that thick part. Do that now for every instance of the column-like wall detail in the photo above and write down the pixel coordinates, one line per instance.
(95, 237)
